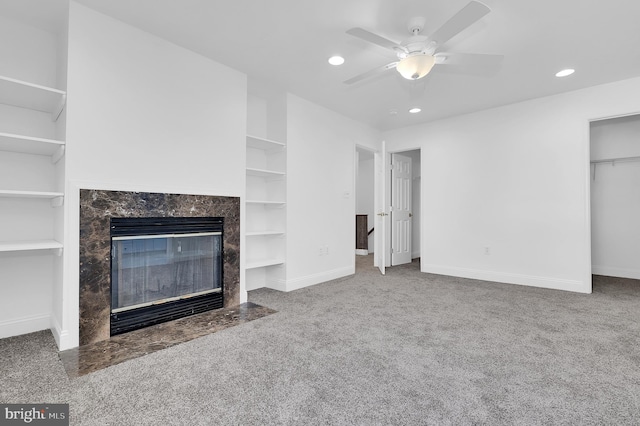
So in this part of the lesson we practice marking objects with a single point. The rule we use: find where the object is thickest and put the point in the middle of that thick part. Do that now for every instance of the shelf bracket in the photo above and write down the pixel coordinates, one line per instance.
(58, 154)
(58, 251)
(55, 114)
(57, 201)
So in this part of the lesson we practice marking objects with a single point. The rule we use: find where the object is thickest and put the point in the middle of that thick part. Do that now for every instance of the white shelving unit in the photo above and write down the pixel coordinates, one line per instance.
(32, 145)
(266, 210)
(35, 97)
(29, 245)
(32, 96)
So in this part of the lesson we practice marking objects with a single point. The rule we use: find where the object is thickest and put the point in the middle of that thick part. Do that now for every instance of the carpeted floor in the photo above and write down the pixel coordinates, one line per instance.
(407, 349)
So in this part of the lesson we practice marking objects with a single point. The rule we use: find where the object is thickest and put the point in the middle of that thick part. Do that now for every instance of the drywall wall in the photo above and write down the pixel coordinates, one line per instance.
(615, 205)
(321, 183)
(27, 278)
(507, 189)
(145, 115)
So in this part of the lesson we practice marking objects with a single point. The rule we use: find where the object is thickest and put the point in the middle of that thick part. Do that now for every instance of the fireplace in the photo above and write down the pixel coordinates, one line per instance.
(99, 207)
(163, 269)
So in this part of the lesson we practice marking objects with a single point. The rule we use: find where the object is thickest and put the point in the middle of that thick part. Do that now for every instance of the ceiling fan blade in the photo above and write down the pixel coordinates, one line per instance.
(469, 14)
(476, 63)
(375, 39)
(371, 73)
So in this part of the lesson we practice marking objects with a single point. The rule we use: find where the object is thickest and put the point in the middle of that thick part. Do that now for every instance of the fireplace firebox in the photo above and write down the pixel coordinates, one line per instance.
(164, 268)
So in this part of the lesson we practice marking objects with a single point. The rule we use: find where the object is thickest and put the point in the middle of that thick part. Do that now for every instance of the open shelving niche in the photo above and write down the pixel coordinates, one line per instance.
(32, 96)
(266, 209)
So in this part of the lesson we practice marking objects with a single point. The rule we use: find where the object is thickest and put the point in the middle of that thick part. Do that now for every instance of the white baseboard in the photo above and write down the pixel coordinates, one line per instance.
(277, 284)
(509, 278)
(362, 252)
(24, 325)
(615, 272)
(301, 282)
(63, 337)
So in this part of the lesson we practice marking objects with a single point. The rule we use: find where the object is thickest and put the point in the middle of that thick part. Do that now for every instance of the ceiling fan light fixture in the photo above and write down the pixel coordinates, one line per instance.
(416, 66)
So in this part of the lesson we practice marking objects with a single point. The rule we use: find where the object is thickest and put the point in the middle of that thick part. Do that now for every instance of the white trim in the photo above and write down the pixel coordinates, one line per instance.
(508, 278)
(301, 282)
(24, 325)
(362, 252)
(276, 284)
(59, 334)
(610, 271)
(164, 189)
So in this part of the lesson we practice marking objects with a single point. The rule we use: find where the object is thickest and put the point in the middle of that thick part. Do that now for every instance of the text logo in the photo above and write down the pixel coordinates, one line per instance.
(34, 414)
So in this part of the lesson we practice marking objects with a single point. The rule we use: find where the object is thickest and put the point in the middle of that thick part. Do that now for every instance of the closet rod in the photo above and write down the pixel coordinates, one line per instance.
(615, 160)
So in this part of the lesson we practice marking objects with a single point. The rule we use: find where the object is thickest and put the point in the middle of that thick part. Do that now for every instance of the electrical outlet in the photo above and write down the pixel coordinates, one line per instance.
(320, 251)
(487, 251)
(326, 250)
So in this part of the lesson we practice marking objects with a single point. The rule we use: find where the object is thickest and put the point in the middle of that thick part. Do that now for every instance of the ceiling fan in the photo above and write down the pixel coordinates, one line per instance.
(419, 53)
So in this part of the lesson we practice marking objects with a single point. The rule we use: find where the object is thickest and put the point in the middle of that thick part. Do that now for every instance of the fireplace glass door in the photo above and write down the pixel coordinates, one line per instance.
(154, 269)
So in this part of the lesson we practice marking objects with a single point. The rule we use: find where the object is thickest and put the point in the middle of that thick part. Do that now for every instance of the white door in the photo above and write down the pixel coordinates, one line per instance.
(381, 213)
(400, 209)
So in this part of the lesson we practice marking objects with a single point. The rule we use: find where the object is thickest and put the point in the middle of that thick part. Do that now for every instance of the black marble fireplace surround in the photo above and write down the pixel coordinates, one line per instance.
(97, 207)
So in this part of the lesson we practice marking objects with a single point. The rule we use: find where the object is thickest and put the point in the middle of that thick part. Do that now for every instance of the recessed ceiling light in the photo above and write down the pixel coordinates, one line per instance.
(565, 73)
(336, 60)
(415, 110)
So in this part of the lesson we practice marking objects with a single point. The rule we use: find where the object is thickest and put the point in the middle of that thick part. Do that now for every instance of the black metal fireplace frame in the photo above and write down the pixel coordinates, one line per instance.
(125, 321)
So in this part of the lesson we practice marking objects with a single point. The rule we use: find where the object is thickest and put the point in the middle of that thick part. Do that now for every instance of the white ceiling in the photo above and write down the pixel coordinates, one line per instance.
(286, 43)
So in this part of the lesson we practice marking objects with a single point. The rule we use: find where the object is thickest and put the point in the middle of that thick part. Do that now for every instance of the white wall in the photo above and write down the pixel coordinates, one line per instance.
(145, 115)
(320, 191)
(26, 278)
(513, 179)
(615, 204)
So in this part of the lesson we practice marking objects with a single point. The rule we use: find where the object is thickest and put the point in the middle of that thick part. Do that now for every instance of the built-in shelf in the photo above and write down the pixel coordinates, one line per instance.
(32, 96)
(261, 233)
(6, 246)
(263, 143)
(264, 173)
(31, 145)
(57, 198)
(265, 202)
(30, 194)
(263, 263)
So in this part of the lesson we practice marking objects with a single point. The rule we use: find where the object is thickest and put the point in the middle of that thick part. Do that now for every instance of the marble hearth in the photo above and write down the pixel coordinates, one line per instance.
(96, 209)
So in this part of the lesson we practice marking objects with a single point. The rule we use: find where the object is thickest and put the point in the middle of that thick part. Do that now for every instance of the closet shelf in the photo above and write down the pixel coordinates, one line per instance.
(263, 263)
(32, 96)
(615, 160)
(264, 173)
(263, 143)
(7, 246)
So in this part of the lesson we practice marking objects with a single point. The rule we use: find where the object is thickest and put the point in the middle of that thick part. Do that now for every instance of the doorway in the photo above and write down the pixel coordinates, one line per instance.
(615, 205)
(404, 201)
(366, 206)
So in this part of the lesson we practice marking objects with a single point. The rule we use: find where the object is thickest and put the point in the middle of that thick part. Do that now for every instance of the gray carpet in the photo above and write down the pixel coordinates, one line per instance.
(407, 349)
